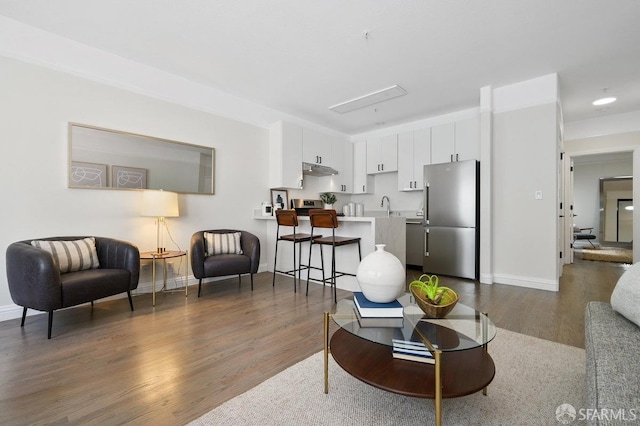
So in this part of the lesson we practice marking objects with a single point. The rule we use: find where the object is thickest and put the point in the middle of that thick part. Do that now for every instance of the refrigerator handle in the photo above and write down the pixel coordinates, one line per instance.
(426, 203)
(426, 242)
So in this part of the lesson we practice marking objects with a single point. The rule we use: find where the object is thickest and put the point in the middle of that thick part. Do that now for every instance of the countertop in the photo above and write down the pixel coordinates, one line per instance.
(340, 218)
(257, 214)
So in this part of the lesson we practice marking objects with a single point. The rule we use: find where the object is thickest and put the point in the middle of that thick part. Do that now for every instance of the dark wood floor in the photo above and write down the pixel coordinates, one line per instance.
(170, 364)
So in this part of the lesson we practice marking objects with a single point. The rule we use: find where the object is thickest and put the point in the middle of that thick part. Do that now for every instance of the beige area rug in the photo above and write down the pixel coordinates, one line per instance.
(533, 377)
(606, 254)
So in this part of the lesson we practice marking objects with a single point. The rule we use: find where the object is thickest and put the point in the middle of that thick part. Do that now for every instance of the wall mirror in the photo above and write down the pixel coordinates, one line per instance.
(616, 209)
(111, 159)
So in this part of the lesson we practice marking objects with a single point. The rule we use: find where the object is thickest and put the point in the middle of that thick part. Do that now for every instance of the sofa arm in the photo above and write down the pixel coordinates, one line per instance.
(251, 247)
(118, 254)
(197, 254)
(33, 277)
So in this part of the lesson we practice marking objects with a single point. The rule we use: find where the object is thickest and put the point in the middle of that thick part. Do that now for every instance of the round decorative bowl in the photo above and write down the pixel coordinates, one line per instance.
(449, 300)
(381, 276)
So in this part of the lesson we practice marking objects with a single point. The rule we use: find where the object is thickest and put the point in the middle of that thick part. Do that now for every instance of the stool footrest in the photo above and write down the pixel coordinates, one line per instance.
(292, 272)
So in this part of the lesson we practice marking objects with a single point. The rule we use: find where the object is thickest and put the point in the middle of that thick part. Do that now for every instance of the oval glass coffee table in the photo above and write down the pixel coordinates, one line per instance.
(461, 364)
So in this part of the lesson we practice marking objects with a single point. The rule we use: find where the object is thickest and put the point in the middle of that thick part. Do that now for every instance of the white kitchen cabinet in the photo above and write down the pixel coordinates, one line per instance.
(457, 141)
(285, 155)
(362, 182)
(316, 148)
(342, 158)
(382, 154)
(443, 143)
(414, 151)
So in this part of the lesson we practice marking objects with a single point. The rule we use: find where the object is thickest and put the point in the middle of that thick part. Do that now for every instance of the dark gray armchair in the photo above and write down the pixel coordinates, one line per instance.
(35, 281)
(205, 266)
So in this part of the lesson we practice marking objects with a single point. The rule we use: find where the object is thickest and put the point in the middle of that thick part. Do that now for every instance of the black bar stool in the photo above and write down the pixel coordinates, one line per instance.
(326, 218)
(290, 218)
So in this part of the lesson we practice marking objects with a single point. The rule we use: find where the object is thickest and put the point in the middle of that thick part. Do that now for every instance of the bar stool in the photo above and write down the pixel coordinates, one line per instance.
(290, 218)
(326, 218)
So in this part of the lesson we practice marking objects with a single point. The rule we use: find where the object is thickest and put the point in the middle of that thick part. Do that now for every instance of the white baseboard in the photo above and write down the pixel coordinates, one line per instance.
(13, 311)
(486, 278)
(536, 283)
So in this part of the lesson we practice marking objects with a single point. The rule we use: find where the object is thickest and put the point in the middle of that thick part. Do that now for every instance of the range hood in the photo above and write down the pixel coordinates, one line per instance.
(309, 169)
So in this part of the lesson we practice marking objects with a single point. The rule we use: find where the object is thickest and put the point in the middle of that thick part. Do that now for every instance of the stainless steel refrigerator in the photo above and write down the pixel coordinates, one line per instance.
(451, 219)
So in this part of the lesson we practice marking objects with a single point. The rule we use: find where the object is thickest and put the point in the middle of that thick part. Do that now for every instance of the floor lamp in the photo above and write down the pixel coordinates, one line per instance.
(159, 204)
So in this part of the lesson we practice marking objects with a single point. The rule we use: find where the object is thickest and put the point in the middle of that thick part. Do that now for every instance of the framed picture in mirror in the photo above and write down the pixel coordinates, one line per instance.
(128, 177)
(88, 175)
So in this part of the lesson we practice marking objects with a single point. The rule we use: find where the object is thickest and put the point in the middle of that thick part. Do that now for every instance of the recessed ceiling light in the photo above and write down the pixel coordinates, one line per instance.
(369, 99)
(604, 101)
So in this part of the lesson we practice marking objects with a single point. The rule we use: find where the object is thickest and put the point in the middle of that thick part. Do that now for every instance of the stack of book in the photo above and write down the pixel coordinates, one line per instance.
(412, 351)
(371, 314)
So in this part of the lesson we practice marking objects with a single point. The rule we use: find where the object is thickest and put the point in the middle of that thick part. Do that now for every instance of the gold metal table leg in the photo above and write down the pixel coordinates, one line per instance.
(186, 274)
(438, 386)
(485, 390)
(153, 280)
(326, 352)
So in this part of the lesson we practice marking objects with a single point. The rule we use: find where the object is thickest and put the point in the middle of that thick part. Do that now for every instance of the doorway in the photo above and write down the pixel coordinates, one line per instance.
(601, 185)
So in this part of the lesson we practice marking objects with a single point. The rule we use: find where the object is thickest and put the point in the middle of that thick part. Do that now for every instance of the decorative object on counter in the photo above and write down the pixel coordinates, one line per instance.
(435, 301)
(328, 198)
(279, 199)
(381, 276)
(267, 210)
(359, 210)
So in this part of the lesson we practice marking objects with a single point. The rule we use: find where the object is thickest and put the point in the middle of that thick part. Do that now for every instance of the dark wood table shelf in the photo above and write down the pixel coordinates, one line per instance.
(463, 372)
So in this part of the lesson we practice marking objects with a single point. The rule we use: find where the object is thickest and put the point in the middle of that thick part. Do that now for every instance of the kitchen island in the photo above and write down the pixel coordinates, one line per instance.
(372, 230)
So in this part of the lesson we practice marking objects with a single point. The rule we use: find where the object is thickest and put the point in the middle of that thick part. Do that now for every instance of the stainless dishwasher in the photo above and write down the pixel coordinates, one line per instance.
(415, 243)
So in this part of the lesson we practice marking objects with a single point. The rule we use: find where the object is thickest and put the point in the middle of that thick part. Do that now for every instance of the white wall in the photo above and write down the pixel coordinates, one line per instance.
(524, 230)
(36, 106)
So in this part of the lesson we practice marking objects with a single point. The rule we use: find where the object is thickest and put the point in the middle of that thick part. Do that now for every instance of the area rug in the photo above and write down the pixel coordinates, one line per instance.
(608, 255)
(533, 378)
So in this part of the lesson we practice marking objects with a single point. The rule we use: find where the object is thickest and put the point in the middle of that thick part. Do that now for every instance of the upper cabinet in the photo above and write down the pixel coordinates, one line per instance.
(457, 141)
(285, 155)
(316, 148)
(342, 159)
(362, 182)
(414, 152)
(382, 154)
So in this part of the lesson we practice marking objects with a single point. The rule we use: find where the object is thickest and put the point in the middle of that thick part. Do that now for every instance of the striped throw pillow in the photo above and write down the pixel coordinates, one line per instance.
(71, 256)
(228, 243)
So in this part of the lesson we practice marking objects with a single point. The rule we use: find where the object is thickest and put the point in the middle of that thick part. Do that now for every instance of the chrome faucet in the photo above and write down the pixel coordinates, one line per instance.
(388, 205)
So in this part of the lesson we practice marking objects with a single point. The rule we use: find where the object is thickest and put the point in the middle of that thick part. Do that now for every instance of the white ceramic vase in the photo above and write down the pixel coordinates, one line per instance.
(381, 276)
(328, 206)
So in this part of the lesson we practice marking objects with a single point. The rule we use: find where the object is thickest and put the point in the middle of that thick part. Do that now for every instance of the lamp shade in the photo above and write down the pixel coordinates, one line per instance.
(160, 204)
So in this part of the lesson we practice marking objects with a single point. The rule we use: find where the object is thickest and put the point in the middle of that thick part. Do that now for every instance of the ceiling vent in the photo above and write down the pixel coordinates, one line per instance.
(370, 99)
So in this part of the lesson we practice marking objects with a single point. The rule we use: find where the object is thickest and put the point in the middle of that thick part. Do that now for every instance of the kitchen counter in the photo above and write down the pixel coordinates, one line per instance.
(372, 230)
(340, 218)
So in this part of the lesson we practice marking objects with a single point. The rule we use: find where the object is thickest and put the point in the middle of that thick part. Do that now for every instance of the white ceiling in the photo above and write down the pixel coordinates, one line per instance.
(302, 56)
